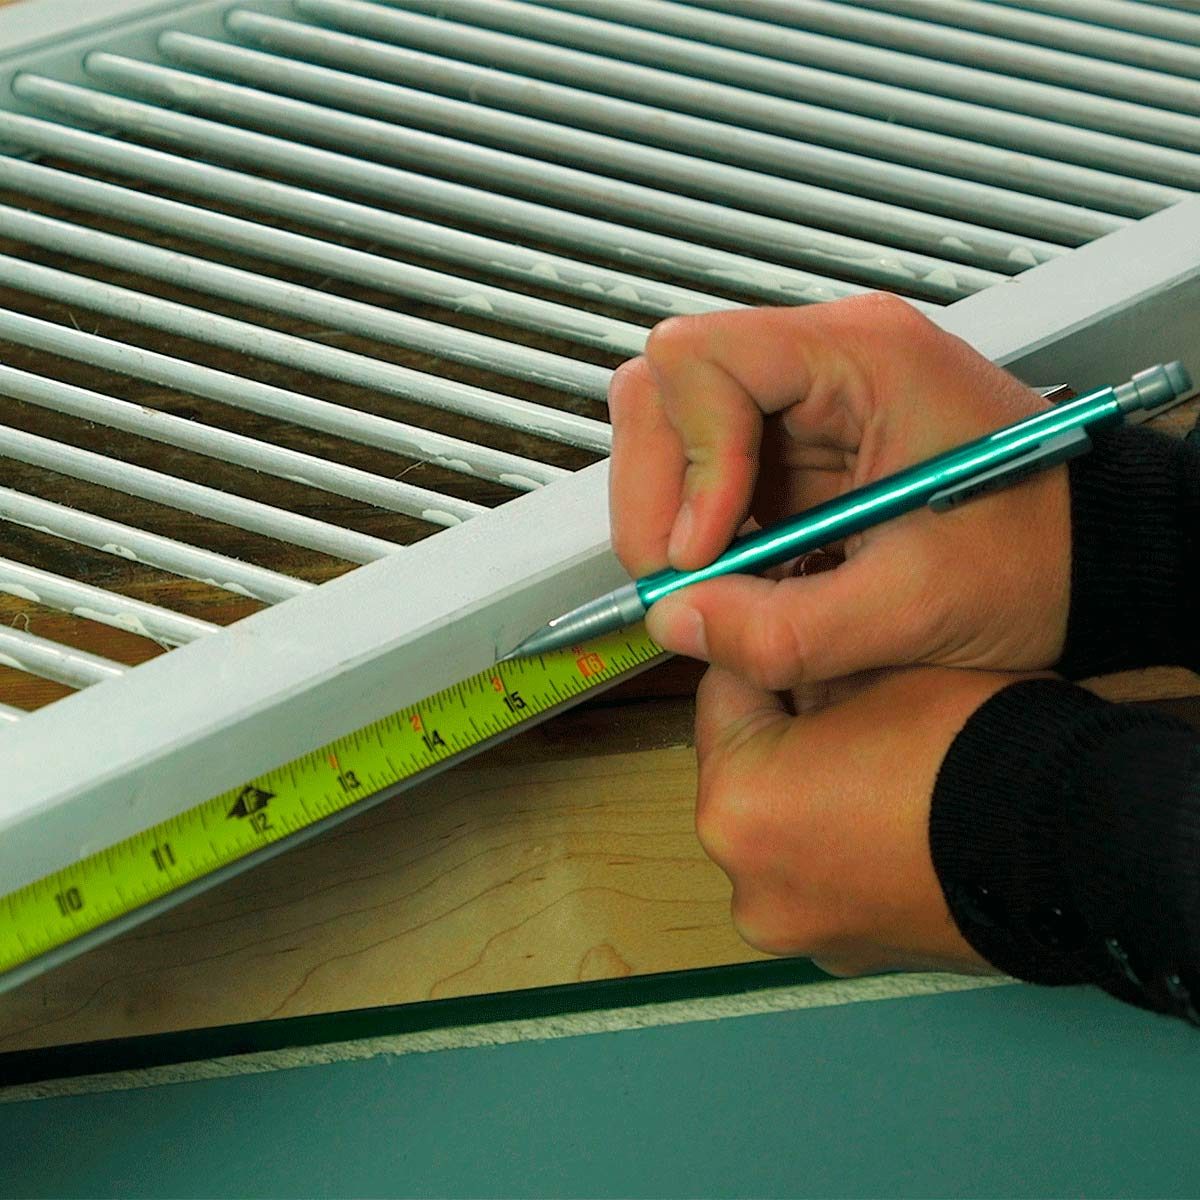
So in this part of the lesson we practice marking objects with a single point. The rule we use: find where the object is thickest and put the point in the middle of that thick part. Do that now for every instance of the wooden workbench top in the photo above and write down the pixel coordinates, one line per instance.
(567, 854)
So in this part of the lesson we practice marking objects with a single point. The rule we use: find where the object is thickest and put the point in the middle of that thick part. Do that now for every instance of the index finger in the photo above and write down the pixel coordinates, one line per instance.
(646, 470)
(654, 449)
(715, 377)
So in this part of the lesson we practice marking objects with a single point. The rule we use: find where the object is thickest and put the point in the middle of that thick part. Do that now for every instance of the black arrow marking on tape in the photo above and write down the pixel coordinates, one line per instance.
(250, 800)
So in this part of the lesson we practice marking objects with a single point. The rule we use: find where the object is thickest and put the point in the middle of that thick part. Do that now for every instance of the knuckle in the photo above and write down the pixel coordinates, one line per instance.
(629, 381)
(735, 828)
(892, 309)
(882, 319)
(671, 338)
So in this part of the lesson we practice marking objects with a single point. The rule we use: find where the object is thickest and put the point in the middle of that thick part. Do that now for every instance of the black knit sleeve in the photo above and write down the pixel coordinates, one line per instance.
(1135, 574)
(1065, 832)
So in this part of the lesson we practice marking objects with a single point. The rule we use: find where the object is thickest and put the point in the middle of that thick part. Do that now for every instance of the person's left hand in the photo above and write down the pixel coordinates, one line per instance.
(821, 820)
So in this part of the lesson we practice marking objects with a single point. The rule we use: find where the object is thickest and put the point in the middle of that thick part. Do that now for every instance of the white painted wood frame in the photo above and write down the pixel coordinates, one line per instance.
(120, 756)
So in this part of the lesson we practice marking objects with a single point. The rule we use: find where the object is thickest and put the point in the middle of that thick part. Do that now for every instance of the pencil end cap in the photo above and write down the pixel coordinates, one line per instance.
(1178, 377)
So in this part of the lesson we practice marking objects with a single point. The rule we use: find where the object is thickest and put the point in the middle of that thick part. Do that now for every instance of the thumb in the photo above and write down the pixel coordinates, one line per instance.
(780, 633)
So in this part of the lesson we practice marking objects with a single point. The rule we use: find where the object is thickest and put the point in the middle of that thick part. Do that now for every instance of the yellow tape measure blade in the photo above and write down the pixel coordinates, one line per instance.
(106, 892)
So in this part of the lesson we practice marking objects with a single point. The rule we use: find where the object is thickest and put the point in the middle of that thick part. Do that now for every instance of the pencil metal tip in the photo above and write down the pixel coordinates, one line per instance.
(524, 648)
(613, 610)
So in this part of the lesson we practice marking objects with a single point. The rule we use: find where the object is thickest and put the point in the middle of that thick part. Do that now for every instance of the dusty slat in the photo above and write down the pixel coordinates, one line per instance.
(1152, 20)
(324, 308)
(454, 454)
(506, 259)
(916, 54)
(49, 660)
(300, 352)
(897, 123)
(392, 139)
(1083, 27)
(96, 604)
(339, 262)
(139, 545)
(226, 446)
(1003, 71)
(474, 94)
(191, 497)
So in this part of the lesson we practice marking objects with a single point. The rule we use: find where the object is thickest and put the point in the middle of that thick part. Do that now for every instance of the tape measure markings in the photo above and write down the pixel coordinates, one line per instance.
(148, 866)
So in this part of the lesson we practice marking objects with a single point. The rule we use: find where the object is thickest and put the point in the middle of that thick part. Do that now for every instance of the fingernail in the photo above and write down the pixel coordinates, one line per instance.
(678, 627)
(681, 532)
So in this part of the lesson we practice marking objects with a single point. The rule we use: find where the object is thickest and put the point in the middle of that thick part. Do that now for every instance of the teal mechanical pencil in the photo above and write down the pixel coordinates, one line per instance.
(987, 464)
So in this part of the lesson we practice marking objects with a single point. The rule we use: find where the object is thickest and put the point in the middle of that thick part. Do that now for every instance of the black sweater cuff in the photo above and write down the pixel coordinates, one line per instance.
(1065, 832)
(1135, 561)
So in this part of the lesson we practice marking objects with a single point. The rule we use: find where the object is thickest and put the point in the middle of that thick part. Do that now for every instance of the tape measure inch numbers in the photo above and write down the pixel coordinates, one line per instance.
(149, 867)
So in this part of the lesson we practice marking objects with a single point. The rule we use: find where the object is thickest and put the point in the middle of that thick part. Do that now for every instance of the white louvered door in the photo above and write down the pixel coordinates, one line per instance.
(390, 253)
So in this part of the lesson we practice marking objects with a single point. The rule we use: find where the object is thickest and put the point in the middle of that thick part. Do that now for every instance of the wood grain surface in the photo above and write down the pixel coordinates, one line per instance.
(567, 854)
(485, 880)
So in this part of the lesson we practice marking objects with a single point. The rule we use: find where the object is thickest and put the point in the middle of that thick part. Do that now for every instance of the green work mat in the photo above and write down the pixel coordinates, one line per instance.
(1008, 1091)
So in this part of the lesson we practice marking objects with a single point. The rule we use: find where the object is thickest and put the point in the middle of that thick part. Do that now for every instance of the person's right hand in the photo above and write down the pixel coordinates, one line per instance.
(761, 413)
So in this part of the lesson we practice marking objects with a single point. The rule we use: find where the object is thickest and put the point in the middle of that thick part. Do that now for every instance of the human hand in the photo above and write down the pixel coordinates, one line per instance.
(762, 413)
(821, 821)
